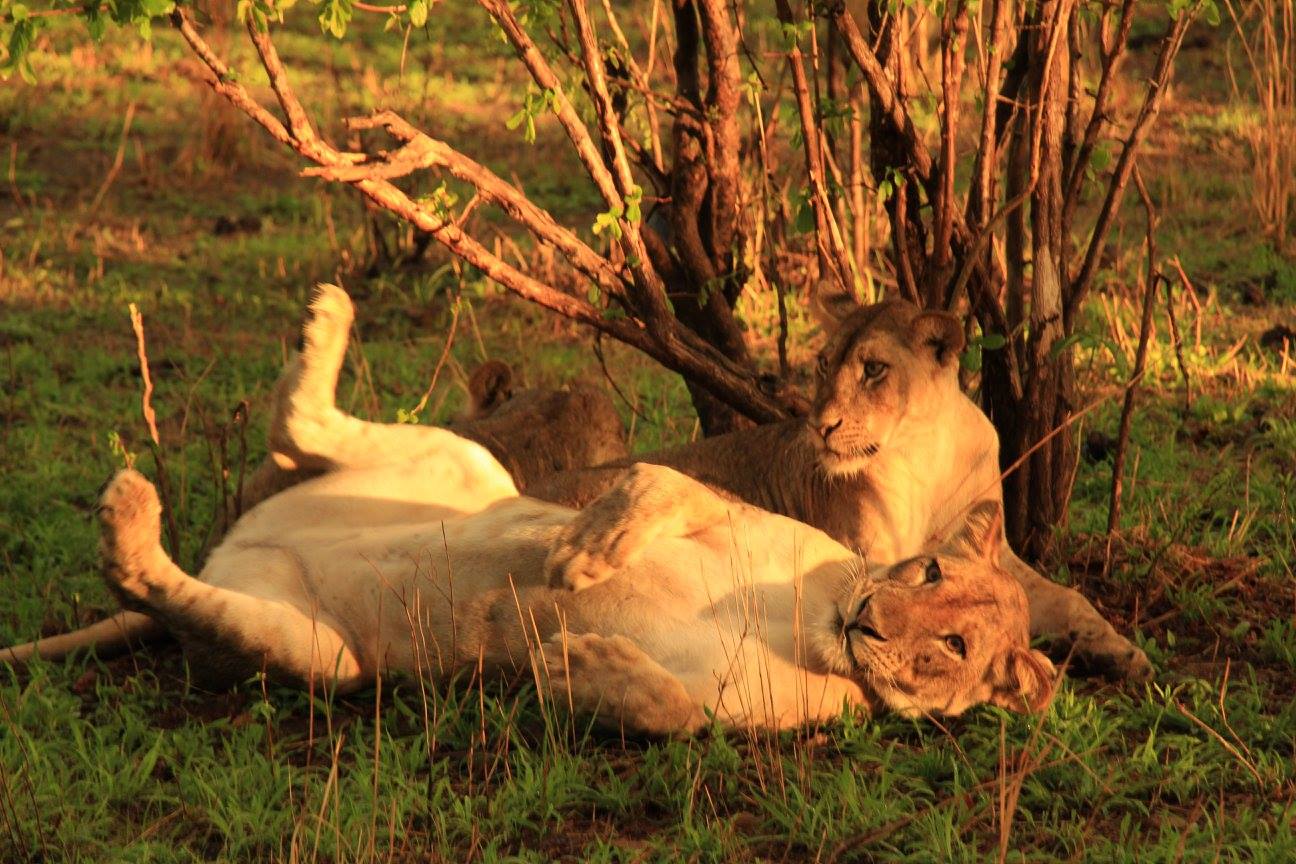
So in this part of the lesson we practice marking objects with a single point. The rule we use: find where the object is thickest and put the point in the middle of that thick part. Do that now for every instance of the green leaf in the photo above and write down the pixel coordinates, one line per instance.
(334, 17)
(418, 12)
(794, 33)
(804, 222)
(608, 221)
(633, 199)
(97, 25)
(1056, 349)
(157, 8)
(18, 12)
(992, 341)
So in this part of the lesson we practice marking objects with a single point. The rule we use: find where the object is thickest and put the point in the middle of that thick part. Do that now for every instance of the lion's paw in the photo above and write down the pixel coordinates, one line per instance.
(130, 520)
(1103, 651)
(573, 568)
(331, 314)
(583, 558)
(611, 532)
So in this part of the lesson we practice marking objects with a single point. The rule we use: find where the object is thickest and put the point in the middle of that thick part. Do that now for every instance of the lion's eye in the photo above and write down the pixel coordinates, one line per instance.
(874, 370)
(957, 645)
(932, 574)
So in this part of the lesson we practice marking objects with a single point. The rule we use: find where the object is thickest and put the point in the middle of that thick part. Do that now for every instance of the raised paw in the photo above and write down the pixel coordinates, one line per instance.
(331, 314)
(615, 528)
(304, 409)
(585, 555)
(130, 519)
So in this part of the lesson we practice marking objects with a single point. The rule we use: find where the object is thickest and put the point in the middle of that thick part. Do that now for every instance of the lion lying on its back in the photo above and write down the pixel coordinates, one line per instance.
(414, 553)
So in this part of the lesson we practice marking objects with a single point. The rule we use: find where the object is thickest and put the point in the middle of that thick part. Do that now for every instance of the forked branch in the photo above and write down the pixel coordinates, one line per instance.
(662, 339)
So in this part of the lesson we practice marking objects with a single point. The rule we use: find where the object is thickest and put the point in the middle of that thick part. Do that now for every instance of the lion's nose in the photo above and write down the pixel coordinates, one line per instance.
(864, 621)
(826, 428)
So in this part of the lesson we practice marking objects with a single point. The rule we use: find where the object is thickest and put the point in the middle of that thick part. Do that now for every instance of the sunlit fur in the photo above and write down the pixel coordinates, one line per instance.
(911, 668)
(886, 464)
(412, 552)
(855, 415)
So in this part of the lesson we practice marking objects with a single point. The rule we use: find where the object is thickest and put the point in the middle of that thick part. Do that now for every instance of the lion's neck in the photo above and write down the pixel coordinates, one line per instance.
(929, 482)
(899, 503)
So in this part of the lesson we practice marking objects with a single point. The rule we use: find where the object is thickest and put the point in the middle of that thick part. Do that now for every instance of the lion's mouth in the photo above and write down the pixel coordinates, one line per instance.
(854, 639)
(868, 632)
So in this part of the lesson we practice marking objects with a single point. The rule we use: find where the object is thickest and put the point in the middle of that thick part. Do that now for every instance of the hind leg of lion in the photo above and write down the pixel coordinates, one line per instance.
(613, 679)
(308, 432)
(236, 630)
(303, 432)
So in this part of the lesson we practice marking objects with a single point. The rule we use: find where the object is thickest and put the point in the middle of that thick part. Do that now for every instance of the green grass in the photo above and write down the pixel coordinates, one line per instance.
(129, 760)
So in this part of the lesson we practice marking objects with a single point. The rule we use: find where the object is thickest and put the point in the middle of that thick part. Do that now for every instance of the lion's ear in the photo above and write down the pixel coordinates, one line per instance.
(490, 386)
(1025, 681)
(941, 333)
(831, 304)
(981, 536)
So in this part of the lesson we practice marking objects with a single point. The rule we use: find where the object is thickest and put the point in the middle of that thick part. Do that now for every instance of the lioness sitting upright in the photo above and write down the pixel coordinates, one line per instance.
(891, 456)
(413, 552)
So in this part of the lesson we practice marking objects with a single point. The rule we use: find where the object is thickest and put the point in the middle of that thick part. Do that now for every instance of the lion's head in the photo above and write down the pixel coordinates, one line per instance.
(942, 632)
(884, 368)
(537, 432)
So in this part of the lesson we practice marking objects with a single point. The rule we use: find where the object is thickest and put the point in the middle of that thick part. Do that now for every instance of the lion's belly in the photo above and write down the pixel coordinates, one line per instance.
(342, 506)
(414, 586)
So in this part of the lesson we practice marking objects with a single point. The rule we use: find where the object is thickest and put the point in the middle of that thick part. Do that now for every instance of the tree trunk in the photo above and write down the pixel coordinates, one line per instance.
(1032, 420)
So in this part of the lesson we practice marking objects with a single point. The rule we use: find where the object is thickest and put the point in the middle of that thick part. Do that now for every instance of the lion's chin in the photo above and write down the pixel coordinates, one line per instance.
(835, 463)
(849, 465)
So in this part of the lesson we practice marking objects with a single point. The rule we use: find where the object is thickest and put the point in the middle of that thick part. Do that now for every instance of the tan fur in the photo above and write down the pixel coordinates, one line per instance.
(887, 465)
(533, 432)
(413, 553)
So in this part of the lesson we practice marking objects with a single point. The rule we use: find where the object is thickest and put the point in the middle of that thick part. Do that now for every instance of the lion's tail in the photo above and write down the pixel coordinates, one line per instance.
(108, 637)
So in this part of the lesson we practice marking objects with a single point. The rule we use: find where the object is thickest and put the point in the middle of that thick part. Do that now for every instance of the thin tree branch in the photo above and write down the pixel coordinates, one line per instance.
(1111, 57)
(545, 77)
(1140, 359)
(643, 84)
(954, 26)
(981, 197)
(150, 420)
(883, 93)
(673, 346)
(724, 93)
(224, 83)
(420, 151)
(1120, 177)
(649, 295)
(832, 251)
(596, 77)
